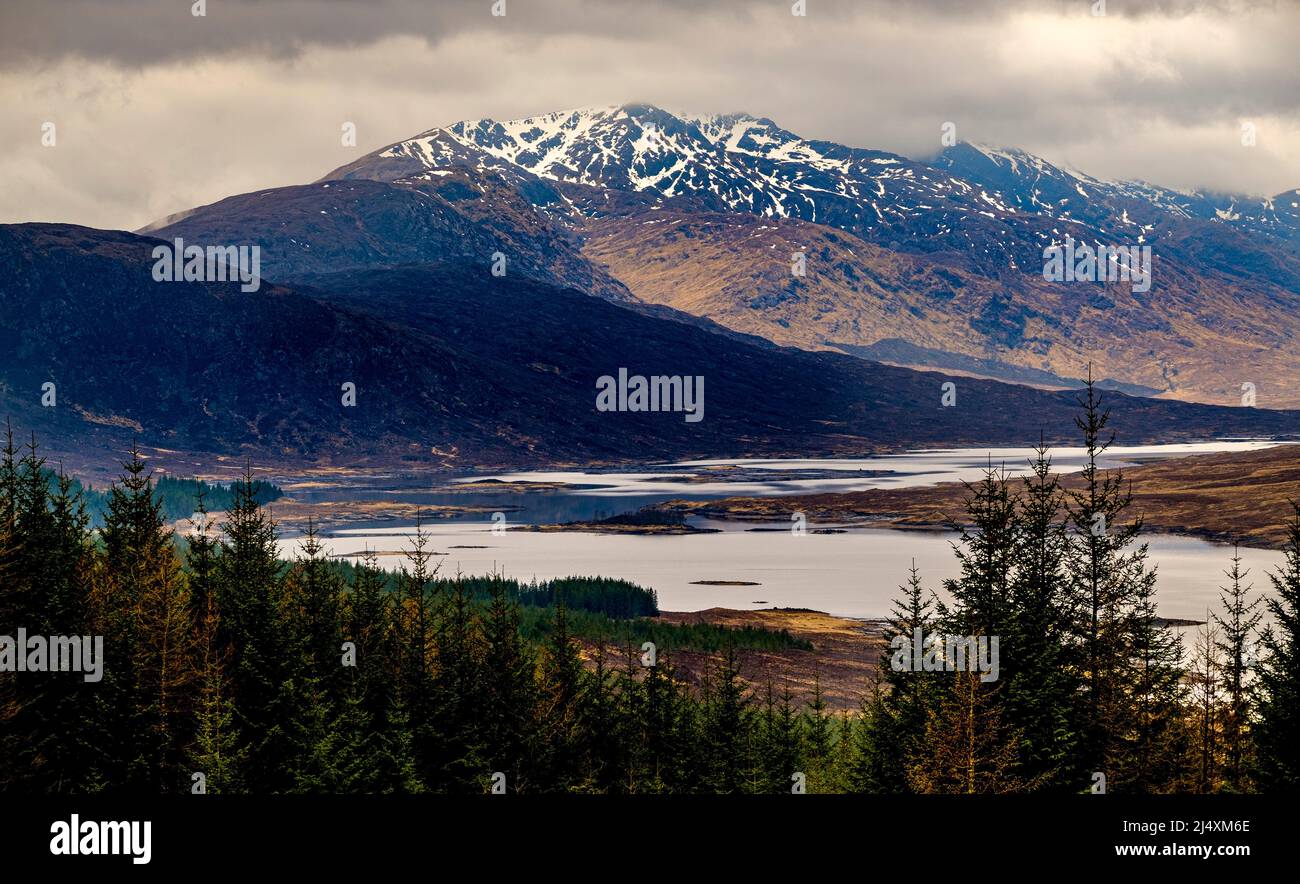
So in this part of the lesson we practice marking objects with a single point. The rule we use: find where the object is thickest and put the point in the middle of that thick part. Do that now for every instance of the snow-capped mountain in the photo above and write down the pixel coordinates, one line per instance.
(1033, 185)
(999, 206)
(726, 163)
(935, 264)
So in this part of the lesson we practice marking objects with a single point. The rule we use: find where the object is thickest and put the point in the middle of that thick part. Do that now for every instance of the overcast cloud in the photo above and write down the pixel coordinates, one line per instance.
(157, 110)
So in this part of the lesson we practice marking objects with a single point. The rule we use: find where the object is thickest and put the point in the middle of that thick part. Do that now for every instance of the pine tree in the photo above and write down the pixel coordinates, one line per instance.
(1277, 730)
(70, 731)
(844, 750)
(12, 598)
(1097, 595)
(47, 726)
(455, 762)
(1127, 662)
(314, 591)
(329, 735)
(661, 730)
(985, 554)
(201, 561)
(727, 727)
(819, 739)
(874, 766)
(902, 699)
(217, 752)
(783, 749)
(167, 669)
(968, 748)
(607, 725)
(415, 624)
(1157, 742)
(1237, 627)
(365, 742)
(145, 614)
(252, 630)
(508, 712)
(561, 716)
(1205, 707)
(1039, 687)
(394, 769)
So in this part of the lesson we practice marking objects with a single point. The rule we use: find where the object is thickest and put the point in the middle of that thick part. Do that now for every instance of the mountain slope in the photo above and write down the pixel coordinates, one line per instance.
(1000, 207)
(341, 225)
(1033, 185)
(1199, 335)
(940, 260)
(455, 367)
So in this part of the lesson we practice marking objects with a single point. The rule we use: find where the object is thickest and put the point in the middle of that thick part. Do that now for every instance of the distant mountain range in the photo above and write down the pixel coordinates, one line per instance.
(454, 367)
(632, 238)
(741, 163)
(704, 213)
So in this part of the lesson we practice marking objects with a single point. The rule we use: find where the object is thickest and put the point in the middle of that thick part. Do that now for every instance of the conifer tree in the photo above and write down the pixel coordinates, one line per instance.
(455, 762)
(663, 736)
(12, 611)
(844, 749)
(819, 738)
(144, 611)
(727, 725)
(877, 763)
(330, 737)
(167, 669)
(1127, 662)
(1277, 731)
(968, 750)
(1237, 626)
(896, 711)
(607, 726)
(1205, 707)
(1151, 760)
(217, 752)
(561, 717)
(50, 560)
(783, 749)
(394, 769)
(201, 561)
(765, 774)
(985, 555)
(252, 629)
(314, 592)
(415, 624)
(1098, 596)
(507, 709)
(1039, 685)
(368, 626)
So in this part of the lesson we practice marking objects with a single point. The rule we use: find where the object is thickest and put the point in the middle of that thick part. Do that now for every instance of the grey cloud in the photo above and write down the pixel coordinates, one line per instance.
(158, 111)
(138, 32)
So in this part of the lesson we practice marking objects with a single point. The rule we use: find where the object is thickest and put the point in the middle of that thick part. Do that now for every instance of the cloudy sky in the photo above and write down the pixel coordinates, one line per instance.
(157, 110)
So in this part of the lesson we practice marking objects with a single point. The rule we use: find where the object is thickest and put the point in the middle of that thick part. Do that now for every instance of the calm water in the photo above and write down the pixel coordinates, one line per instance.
(855, 573)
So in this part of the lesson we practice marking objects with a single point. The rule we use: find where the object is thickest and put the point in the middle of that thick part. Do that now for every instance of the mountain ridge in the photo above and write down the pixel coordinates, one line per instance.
(455, 368)
(704, 213)
(574, 146)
